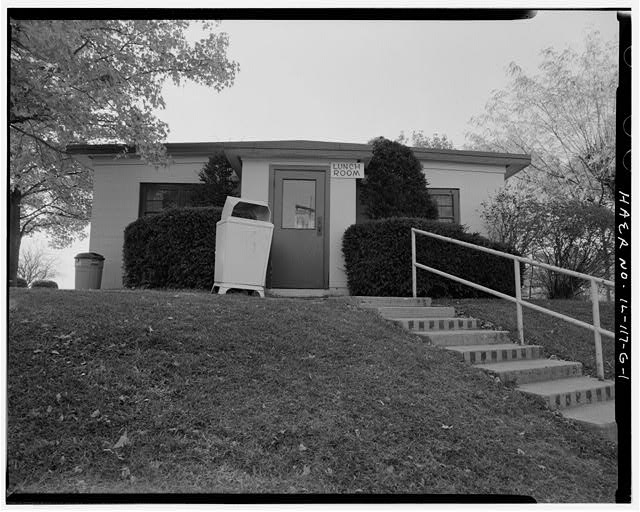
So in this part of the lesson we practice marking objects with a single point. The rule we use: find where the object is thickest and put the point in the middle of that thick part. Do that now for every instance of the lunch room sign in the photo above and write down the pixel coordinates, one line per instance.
(347, 170)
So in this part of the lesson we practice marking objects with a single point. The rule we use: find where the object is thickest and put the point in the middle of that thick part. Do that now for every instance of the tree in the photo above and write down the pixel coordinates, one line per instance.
(578, 236)
(34, 265)
(567, 233)
(219, 181)
(395, 185)
(564, 116)
(420, 140)
(514, 218)
(85, 81)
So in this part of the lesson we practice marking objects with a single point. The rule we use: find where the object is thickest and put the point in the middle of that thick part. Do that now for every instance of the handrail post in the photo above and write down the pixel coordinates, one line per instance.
(516, 270)
(414, 283)
(595, 305)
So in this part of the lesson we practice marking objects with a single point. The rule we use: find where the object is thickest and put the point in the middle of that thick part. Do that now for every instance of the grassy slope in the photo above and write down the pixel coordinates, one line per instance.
(558, 337)
(237, 394)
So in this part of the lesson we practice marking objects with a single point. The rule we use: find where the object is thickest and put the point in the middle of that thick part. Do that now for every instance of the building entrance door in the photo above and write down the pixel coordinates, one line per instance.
(298, 247)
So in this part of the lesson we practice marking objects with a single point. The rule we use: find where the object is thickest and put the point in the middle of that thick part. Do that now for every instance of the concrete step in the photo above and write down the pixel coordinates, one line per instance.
(465, 337)
(436, 324)
(532, 370)
(600, 417)
(566, 393)
(494, 353)
(376, 302)
(416, 312)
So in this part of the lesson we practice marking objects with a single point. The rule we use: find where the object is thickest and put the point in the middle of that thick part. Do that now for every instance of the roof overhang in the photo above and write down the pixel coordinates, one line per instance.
(305, 149)
(512, 162)
(237, 151)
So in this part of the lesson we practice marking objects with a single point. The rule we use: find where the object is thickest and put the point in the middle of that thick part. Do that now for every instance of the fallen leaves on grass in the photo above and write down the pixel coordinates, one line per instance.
(123, 441)
(243, 375)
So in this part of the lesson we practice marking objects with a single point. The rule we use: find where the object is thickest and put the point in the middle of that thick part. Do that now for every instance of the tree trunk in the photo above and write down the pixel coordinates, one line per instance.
(15, 235)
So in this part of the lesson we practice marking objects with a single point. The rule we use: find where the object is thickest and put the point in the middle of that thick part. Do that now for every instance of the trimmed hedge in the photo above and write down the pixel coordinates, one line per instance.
(171, 249)
(378, 260)
(44, 283)
(18, 283)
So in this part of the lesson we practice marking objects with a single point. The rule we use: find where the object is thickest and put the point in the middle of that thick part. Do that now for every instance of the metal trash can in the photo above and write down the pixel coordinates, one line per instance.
(88, 270)
(243, 242)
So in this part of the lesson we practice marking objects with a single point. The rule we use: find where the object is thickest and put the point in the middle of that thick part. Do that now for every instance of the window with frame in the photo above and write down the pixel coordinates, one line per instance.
(447, 201)
(156, 197)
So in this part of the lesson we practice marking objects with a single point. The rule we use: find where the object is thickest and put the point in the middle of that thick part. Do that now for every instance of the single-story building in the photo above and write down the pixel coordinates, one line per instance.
(310, 187)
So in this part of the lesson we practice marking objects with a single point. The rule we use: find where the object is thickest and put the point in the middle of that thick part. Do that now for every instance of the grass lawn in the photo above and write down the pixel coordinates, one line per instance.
(558, 337)
(160, 391)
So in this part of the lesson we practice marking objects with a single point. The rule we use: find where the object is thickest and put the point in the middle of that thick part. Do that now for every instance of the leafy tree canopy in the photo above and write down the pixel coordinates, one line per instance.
(420, 140)
(100, 81)
(564, 116)
(92, 81)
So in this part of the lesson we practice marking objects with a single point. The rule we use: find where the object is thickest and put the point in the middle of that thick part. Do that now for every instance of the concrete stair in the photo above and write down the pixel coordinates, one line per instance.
(466, 337)
(498, 352)
(377, 302)
(559, 383)
(437, 324)
(565, 393)
(532, 370)
(596, 417)
(423, 312)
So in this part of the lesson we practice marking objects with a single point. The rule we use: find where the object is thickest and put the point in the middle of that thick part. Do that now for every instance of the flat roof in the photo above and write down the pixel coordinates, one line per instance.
(237, 150)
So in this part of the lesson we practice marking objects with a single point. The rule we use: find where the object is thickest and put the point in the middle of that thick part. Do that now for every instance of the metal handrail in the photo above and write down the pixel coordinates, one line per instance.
(595, 281)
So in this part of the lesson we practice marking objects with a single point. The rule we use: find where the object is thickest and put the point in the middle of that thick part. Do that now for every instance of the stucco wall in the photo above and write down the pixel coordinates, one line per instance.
(116, 200)
(476, 183)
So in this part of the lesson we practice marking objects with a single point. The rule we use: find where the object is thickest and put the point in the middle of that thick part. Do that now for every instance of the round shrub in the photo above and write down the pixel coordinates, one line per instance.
(19, 283)
(395, 185)
(378, 260)
(44, 283)
(171, 249)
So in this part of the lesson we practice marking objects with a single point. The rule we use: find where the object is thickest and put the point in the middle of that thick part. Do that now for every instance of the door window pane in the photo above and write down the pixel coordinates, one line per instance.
(299, 204)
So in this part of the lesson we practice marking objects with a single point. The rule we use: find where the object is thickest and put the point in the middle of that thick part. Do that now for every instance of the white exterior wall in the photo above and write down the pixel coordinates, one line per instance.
(342, 206)
(476, 182)
(254, 184)
(342, 203)
(116, 198)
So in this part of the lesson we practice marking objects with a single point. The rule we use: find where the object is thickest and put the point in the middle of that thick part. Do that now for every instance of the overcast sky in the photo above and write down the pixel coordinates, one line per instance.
(352, 80)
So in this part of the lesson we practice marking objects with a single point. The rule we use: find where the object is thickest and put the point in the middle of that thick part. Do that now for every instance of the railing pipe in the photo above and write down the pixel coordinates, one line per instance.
(414, 282)
(595, 305)
(516, 271)
(514, 257)
(535, 307)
